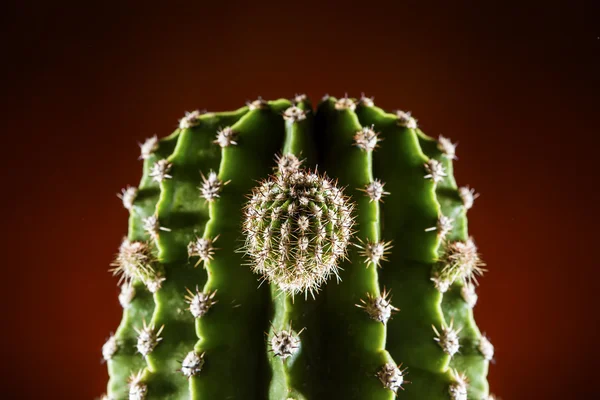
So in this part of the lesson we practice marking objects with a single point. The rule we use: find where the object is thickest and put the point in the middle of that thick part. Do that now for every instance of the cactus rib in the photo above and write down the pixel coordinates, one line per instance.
(355, 343)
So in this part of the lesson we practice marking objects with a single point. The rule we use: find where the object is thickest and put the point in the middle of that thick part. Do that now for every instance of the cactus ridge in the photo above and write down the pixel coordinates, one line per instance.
(263, 248)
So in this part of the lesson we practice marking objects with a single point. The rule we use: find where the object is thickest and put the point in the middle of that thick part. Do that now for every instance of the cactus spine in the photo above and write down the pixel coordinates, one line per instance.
(284, 253)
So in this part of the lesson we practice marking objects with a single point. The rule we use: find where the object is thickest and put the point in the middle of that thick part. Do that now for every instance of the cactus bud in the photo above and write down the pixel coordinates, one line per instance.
(297, 225)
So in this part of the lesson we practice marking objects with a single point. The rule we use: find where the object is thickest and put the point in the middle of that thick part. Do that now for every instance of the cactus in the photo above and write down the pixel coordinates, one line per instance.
(281, 252)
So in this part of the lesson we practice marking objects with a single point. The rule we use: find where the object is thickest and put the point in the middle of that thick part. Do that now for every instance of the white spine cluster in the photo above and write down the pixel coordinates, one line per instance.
(448, 338)
(211, 186)
(285, 343)
(226, 137)
(148, 338)
(442, 284)
(366, 139)
(299, 98)
(155, 283)
(391, 376)
(444, 226)
(435, 170)
(258, 104)
(200, 302)
(160, 170)
(468, 196)
(406, 120)
(379, 308)
(127, 294)
(138, 390)
(149, 146)
(458, 388)
(297, 226)
(375, 190)
(192, 364)
(134, 261)
(190, 119)
(152, 226)
(345, 103)
(486, 348)
(374, 252)
(288, 164)
(109, 348)
(366, 101)
(294, 114)
(128, 196)
(460, 262)
(202, 248)
(447, 147)
(467, 292)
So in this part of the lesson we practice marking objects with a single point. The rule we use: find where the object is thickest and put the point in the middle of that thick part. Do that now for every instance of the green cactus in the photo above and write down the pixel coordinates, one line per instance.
(276, 252)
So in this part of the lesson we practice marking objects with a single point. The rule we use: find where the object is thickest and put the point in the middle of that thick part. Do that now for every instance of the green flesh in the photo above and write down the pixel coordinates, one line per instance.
(342, 348)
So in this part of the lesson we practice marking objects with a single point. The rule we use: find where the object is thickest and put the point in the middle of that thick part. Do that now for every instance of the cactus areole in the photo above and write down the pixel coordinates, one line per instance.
(283, 252)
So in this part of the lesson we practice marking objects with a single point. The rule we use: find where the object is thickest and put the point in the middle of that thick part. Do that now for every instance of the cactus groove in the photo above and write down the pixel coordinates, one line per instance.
(283, 252)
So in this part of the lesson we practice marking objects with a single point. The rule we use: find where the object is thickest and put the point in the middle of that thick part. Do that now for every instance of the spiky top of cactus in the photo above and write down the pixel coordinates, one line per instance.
(232, 219)
(298, 225)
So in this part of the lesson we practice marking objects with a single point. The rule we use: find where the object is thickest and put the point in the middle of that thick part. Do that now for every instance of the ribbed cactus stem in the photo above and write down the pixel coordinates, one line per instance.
(348, 149)
(135, 297)
(455, 274)
(276, 252)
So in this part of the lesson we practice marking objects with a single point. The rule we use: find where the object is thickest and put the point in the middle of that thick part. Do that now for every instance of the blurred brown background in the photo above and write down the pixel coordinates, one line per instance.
(515, 85)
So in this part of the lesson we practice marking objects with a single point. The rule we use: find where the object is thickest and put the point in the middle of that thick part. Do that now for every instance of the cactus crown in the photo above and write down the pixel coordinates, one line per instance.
(232, 223)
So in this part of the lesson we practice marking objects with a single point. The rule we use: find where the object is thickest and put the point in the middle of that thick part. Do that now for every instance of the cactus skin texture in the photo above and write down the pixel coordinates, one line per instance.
(280, 252)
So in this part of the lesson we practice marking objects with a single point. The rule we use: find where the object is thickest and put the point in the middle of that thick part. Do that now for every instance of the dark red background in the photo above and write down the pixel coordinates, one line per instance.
(515, 85)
